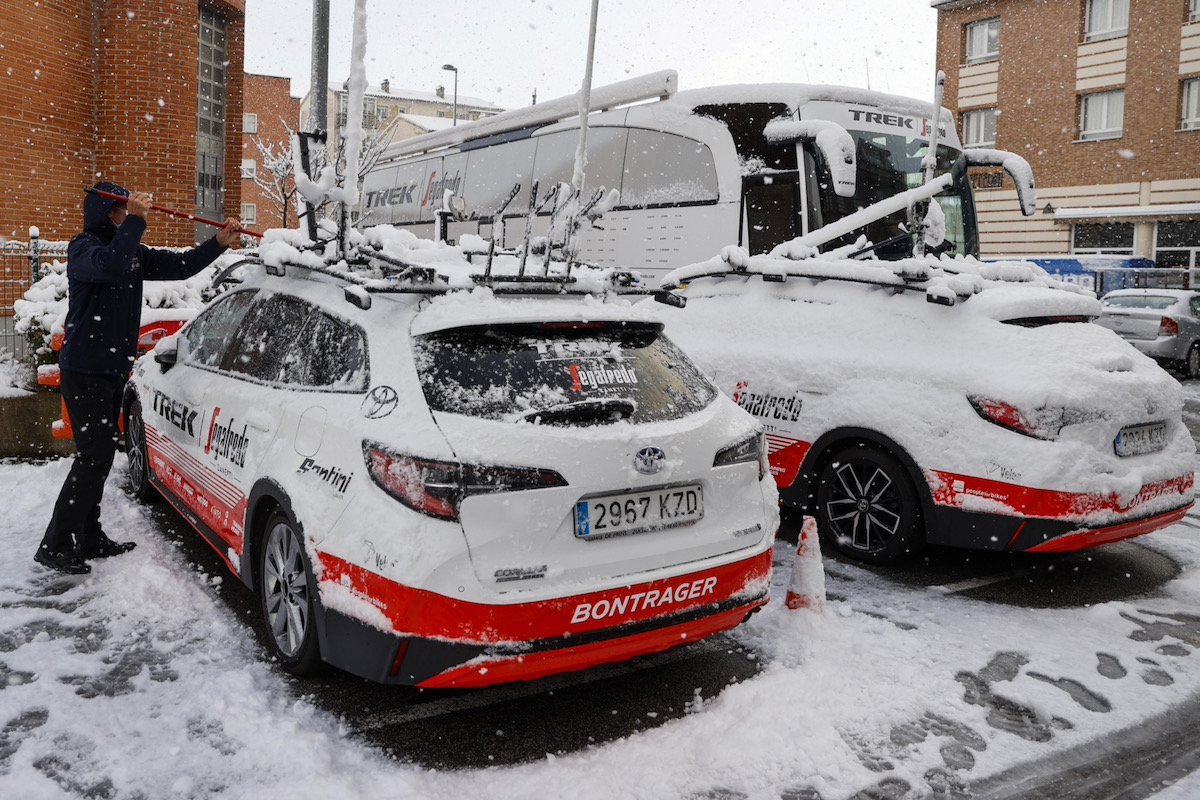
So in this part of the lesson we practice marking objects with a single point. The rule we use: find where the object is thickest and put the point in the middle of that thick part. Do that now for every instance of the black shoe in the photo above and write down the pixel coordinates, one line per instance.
(105, 547)
(69, 561)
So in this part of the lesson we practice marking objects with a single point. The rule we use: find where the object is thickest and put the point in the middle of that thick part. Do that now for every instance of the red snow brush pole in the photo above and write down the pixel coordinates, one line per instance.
(173, 212)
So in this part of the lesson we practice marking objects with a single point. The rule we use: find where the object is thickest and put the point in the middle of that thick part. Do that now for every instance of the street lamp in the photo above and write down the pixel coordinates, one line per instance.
(454, 69)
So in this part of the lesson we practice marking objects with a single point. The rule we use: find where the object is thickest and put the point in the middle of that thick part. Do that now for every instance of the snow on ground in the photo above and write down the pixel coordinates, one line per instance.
(139, 681)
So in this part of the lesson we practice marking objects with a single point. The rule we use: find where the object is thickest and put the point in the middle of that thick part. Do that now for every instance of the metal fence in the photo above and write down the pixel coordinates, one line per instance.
(20, 268)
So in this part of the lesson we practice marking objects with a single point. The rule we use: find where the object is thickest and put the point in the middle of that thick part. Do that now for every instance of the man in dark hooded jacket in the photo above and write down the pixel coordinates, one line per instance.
(106, 265)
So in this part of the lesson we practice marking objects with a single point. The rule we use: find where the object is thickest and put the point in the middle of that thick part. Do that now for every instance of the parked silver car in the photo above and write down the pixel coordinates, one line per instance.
(1162, 323)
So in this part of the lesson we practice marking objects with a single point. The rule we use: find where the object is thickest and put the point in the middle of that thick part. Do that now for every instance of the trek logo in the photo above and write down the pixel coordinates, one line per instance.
(224, 442)
(332, 475)
(404, 195)
(894, 121)
(175, 412)
(599, 377)
(652, 598)
(767, 406)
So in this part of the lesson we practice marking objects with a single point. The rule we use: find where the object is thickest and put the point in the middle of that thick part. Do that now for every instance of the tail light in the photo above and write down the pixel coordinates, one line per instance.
(437, 488)
(1168, 327)
(1009, 416)
(1040, 423)
(746, 451)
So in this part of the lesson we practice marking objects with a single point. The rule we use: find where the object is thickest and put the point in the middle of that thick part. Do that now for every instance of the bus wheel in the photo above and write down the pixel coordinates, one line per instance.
(867, 507)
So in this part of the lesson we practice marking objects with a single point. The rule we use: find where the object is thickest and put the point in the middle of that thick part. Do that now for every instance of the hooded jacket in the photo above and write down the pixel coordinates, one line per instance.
(106, 266)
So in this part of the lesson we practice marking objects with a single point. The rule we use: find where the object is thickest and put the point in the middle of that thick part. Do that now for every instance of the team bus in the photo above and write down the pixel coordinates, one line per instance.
(693, 171)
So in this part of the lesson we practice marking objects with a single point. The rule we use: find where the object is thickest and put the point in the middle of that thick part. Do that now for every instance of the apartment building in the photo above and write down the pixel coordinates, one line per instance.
(403, 113)
(1102, 97)
(148, 95)
(270, 115)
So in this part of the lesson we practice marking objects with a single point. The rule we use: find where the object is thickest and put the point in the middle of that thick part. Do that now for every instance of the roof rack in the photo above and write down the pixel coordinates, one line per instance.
(368, 273)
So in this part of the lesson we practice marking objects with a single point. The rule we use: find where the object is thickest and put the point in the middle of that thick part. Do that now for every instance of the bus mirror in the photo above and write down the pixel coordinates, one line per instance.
(457, 206)
(1017, 168)
(833, 141)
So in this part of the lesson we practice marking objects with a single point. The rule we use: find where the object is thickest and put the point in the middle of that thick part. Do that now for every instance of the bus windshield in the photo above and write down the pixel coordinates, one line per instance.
(889, 164)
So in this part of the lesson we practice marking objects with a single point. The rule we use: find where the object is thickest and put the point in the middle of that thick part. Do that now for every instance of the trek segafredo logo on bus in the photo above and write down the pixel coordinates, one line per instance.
(882, 120)
(408, 194)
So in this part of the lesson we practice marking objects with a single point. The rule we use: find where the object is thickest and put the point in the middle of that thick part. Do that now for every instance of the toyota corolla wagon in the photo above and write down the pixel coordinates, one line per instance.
(941, 401)
(455, 487)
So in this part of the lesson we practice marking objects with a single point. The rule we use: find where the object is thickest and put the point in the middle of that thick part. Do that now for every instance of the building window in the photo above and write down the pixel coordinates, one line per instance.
(1177, 244)
(979, 128)
(249, 214)
(1194, 11)
(249, 169)
(1191, 103)
(210, 114)
(1113, 238)
(1101, 115)
(983, 40)
(381, 113)
(249, 123)
(1106, 19)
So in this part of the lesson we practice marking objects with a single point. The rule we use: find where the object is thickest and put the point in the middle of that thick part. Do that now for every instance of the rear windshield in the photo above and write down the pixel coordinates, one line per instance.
(1156, 301)
(573, 375)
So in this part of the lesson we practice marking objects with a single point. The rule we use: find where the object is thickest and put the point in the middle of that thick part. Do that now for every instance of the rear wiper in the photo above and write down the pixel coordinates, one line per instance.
(612, 409)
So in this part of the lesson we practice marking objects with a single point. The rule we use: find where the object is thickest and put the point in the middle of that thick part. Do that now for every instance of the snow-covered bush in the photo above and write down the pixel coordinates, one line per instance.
(43, 310)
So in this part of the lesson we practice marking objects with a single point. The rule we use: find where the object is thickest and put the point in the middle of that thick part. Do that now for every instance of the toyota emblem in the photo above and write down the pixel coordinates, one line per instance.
(649, 460)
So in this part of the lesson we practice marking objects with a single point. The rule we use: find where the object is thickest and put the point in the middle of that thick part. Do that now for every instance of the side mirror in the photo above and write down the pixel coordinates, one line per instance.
(1016, 167)
(166, 352)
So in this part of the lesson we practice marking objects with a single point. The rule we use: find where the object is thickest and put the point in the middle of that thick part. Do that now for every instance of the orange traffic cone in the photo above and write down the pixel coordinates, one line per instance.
(807, 588)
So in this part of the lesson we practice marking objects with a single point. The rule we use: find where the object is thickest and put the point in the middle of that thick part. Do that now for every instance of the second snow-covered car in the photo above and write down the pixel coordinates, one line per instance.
(1162, 323)
(991, 418)
(455, 485)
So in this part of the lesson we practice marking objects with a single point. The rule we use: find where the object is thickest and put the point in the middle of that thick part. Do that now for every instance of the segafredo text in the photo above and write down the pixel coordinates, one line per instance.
(651, 598)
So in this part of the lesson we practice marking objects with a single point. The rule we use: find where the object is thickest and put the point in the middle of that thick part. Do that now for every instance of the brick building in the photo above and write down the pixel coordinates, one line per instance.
(1102, 97)
(269, 112)
(146, 93)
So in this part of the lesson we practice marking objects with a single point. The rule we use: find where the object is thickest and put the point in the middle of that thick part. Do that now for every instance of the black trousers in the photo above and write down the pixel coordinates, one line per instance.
(93, 406)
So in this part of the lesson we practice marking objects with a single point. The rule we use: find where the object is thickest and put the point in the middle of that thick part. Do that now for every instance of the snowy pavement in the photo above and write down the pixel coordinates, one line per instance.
(140, 681)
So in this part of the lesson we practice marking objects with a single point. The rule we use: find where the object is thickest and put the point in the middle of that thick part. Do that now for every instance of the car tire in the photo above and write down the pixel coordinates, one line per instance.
(867, 507)
(287, 594)
(1191, 364)
(137, 454)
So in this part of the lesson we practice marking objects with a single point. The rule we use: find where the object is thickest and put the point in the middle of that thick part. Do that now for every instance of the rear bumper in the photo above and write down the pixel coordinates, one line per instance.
(982, 531)
(1168, 349)
(443, 643)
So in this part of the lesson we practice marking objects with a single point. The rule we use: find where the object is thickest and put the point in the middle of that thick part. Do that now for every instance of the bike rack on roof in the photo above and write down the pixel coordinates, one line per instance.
(375, 273)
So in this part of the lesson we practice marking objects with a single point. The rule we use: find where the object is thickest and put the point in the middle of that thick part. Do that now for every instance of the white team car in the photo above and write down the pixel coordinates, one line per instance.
(942, 401)
(445, 481)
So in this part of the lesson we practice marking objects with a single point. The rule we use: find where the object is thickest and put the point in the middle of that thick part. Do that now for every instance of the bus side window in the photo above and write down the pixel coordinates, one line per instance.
(662, 169)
